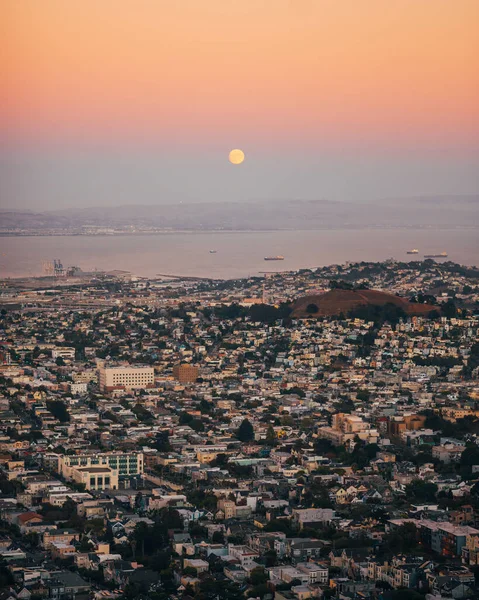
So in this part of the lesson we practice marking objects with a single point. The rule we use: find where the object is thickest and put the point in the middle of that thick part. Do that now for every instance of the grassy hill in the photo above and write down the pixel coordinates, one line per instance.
(339, 301)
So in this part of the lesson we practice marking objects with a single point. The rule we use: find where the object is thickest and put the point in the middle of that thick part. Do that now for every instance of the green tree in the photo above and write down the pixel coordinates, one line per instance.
(401, 539)
(258, 576)
(58, 410)
(448, 309)
(270, 436)
(421, 491)
(470, 456)
(271, 558)
(218, 537)
(197, 425)
(245, 431)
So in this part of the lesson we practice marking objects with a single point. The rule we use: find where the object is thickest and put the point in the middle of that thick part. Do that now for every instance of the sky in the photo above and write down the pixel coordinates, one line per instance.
(107, 102)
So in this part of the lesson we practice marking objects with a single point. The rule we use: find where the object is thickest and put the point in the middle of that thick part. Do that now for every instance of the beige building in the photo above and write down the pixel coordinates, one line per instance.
(128, 378)
(201, 566)
(96, 478)
(455, 413)
(228, 507)
(470, 552)
(185, 373)
(346, 427)
(59, 536)
(68, 353)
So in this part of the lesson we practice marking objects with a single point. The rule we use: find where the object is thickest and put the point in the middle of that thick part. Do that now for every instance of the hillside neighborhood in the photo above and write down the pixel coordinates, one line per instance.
(301, 435)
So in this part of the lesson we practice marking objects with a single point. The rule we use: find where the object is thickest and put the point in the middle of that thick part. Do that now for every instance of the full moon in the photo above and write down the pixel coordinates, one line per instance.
(236, 156)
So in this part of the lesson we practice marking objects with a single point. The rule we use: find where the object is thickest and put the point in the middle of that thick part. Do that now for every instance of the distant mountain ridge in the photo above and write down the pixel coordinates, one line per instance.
(460, 211)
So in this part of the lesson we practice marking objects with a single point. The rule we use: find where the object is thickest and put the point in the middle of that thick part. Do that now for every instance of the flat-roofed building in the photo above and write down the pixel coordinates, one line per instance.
(126, 464)
(127, 378)
(64, 352)
(96, 478)
(185, 373)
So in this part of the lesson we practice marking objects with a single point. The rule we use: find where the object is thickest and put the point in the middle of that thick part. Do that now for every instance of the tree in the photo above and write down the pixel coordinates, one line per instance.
(402, 539)
(245, 431)
(216, 589)
(421, 491)
(58, 410)
(282, 525)
(473, 361)
(85, 545)
(202, 499)
(339, 284)
(32, 538)
(185, 418)
(270, 436)
(197, 530)
(162, 443)
(271, 558)
(448, 309)
(6, 577)
(218, 537)
(258, 576)
(197, 425)
(312, 309)
(406, 594)
(470, 456)
(60, 362)
(265, 313)
(221, 460)
(160, 560)
(363, 395)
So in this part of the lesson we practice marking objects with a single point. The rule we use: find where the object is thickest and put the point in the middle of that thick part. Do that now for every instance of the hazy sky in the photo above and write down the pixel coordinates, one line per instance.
(108, 102)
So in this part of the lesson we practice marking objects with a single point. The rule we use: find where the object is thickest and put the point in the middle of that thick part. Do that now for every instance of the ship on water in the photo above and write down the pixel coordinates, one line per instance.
(442, 255)
(413, 251)
(212, 251)
(274, 257)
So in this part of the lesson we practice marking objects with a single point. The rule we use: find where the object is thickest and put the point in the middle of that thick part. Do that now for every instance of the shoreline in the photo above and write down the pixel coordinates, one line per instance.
(60, 233)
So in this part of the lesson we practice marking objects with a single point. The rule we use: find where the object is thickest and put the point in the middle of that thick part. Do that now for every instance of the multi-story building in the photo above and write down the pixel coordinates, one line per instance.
(79, 388)
(129, 378)
(59, 536)
(185, 373)
(298, 549)
(246, 556)
(346, 427)
(453, 413)
(125, 464)
(447, 453)
(96, 478)
(303, 517)
(316, 572)
(68, 353)
(228, 507)
(442, 537)
(470, 552)
(398, 573)
(397, 425)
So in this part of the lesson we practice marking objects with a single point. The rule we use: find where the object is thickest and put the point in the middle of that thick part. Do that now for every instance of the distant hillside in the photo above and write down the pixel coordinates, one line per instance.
(338, 301)
(261, 215)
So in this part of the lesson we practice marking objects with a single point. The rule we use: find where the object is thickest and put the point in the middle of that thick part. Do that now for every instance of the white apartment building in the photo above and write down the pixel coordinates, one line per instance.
(68, 353)
(78, 388)
(129, 378)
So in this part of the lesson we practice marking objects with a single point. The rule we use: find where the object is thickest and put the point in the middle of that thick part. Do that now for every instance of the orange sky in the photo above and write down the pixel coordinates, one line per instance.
(388, 71)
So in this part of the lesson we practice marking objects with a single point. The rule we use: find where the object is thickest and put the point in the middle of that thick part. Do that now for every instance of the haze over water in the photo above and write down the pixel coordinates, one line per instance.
(238, 254)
